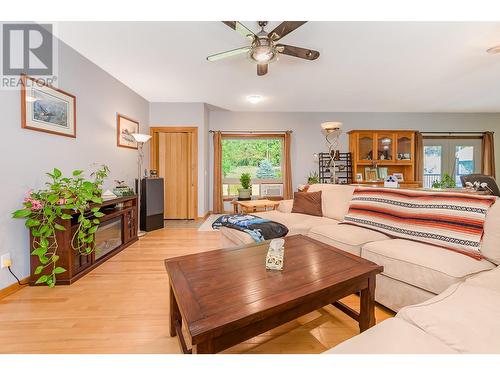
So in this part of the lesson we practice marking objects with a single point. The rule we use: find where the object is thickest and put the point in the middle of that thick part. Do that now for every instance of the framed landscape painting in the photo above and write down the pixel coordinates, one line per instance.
(125, 127)
(46, 108)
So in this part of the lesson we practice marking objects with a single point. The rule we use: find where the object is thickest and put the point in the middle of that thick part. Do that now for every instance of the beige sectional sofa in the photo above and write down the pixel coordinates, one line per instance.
(413, 272)
(462, 319)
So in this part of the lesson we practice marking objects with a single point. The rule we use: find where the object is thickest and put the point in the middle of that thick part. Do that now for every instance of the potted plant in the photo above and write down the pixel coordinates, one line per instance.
(313, 178)
(446, 182)
(61, 199)
(245, 192)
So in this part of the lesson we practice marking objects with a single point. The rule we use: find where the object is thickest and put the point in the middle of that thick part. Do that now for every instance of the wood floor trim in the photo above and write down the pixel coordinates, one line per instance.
(13, 288)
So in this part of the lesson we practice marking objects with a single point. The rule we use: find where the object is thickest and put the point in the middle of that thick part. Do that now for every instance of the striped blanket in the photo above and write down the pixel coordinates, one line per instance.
(450, 220)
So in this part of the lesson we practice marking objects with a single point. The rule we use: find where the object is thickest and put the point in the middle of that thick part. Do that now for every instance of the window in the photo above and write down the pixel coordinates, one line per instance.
(454, 156)
(258, 155)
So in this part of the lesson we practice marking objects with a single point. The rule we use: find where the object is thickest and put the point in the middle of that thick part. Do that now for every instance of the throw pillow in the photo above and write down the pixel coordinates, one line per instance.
(307, 203)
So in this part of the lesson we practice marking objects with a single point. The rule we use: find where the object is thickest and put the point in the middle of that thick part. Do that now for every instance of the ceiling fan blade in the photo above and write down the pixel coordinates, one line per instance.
(240, 28)
(223, 55)
(262, 69)
(302, 53)
(284, 28)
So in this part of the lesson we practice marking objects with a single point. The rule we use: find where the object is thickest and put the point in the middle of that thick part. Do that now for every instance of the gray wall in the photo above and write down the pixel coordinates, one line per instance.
(188, 114)
(308, 139)
(26, 155)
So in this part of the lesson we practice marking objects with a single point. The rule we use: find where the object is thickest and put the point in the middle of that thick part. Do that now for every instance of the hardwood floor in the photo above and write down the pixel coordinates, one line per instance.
(122, 307)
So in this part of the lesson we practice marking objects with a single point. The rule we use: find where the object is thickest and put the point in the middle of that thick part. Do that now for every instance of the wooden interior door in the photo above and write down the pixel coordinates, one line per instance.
(174, 156)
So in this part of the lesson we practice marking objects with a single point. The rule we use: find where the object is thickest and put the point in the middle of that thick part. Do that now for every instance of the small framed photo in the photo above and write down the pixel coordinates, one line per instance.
(399, 176)
(359, 177)
(45, 108)
(371, 174)
(125, 127)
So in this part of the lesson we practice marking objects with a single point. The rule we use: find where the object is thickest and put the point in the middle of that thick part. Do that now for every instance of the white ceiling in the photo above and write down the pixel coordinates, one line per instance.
(363, 67)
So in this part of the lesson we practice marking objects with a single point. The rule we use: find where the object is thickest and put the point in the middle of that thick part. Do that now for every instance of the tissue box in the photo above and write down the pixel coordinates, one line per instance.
(275, 254)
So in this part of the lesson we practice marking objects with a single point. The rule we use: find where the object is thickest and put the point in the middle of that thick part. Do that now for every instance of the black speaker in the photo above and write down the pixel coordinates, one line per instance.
(151, 204)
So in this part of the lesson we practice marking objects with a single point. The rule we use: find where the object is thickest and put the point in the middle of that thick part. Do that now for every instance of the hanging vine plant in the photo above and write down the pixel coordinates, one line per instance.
(62, 199)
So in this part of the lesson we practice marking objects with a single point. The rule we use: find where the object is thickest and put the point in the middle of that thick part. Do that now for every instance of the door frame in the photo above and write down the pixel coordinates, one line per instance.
(448, 144)
(154, 162)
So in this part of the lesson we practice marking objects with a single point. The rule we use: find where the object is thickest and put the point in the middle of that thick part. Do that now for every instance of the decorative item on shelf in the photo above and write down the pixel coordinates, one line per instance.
(399, 177)
(447, 182)
(313, 178)
(245, 191)
(61, 200)
(125, 128)
(371, 174)
(275, 254)
(108, 194)
(122, 190)
(140, 139)
(391, 182)
(382, 172)
(332, 131)
(46, 108)
(359, 177)
(153, 173)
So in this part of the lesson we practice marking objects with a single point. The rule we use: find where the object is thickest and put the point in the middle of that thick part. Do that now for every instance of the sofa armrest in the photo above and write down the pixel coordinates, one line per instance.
(285, 206)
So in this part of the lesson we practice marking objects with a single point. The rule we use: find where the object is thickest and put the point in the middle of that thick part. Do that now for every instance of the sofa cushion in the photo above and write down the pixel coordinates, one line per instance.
(396, 294)
(490, 244)
(345, 237)
(488, 280)
(464, 317)
(335, 199)
(392, 336)
(425, 266)
(307, 203)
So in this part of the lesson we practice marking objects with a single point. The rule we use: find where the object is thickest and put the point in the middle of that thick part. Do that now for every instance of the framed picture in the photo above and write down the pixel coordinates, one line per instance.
(371, 174)
(359, 177)
(47, 109)
(125, 127)
(382, 172)
(399, 176)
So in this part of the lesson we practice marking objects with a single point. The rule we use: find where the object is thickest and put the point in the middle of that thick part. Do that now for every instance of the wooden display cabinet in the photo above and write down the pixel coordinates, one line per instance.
(117, 231)
(391, 150)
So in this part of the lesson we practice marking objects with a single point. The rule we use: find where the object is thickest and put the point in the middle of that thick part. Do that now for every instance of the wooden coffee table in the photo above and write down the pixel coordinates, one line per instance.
(225, 297)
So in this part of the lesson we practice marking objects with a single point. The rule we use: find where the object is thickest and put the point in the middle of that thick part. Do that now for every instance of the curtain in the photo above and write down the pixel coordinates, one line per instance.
(488, 155)
(419, 157)
(218, 205)
(287, 167)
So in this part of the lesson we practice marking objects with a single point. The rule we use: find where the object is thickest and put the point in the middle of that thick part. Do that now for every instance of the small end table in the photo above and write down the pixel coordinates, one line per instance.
(254, 205)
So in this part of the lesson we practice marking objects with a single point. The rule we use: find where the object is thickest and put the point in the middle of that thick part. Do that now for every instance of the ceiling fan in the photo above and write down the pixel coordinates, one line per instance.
(263, 48)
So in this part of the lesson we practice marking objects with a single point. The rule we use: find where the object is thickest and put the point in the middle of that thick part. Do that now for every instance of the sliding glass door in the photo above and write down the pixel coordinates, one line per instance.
(453, 155)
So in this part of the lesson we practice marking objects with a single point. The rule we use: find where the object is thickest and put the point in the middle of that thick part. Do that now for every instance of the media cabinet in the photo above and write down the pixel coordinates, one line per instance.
(117, 231)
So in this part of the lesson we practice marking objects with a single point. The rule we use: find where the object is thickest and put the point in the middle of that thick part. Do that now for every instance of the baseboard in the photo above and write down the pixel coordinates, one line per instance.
(204, 217)
(13, 288)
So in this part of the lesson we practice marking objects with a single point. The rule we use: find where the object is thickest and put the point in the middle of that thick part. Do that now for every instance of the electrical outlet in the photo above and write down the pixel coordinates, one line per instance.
(5, 260)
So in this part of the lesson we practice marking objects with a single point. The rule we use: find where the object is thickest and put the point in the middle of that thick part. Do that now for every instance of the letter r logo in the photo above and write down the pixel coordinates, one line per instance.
(27, 48)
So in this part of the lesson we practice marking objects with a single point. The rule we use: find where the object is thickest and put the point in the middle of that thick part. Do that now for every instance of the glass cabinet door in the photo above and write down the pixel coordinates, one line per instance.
(404, 147)
(365, 147)
(385, 147)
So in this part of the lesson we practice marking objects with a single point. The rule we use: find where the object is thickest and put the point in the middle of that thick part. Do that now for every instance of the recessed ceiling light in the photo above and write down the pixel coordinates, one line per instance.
(254, 99)
(493, 50)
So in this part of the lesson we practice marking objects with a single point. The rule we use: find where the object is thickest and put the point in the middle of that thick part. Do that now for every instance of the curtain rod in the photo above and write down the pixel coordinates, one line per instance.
(252, 131)
(455, 132)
